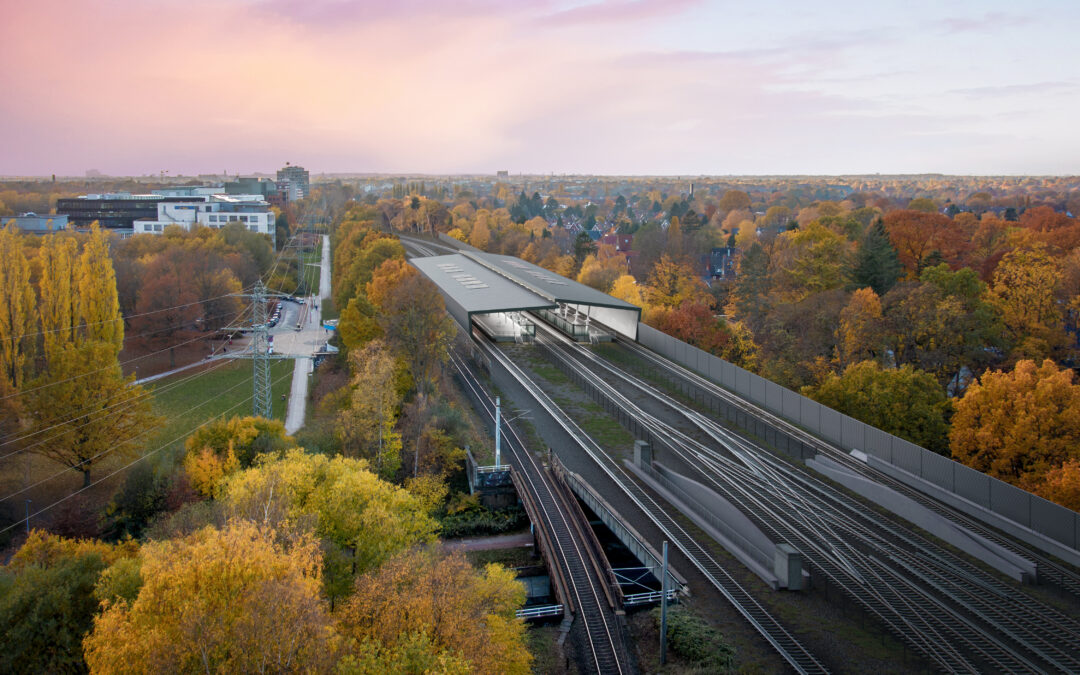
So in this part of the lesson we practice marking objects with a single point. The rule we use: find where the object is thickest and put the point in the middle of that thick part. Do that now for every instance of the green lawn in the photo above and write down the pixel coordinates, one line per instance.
(310, 264)
(186, 401)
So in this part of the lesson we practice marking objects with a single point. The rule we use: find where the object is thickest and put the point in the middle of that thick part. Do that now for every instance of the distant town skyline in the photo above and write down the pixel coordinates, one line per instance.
(627, 87)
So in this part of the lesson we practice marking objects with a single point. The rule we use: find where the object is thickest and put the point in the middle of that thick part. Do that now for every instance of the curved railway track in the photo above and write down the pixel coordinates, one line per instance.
(797, 655)
(606, 647)
(950, 610)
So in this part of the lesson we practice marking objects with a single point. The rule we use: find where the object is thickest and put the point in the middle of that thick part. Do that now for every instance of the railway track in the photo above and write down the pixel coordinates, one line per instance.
(1049, 570)
(607, 652)
(945, 607)
(797, 655)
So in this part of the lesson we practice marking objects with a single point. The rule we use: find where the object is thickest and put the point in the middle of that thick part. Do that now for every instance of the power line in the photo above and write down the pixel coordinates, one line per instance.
(122, 318)
(127, 466)
(121, 363)
(105, 452)
(96, 414)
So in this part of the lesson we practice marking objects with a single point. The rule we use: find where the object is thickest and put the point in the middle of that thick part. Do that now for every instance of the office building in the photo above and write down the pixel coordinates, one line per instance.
(32, 223)
(293, 182)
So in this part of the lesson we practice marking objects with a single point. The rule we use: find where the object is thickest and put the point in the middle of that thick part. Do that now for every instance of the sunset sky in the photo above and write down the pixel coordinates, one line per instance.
(587, 86)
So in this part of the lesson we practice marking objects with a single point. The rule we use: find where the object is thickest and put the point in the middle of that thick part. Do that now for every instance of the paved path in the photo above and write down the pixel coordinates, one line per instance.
(490, 543)
(303, 344)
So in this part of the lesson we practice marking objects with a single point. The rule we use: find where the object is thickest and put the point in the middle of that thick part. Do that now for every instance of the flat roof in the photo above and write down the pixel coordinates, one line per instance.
(477, 288)
(546, 284)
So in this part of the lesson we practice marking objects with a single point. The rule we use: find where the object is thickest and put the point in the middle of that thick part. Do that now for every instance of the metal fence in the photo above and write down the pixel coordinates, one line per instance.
(1055, 522)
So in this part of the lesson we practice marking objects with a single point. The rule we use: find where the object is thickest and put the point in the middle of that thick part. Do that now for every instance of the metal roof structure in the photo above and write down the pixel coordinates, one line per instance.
(485, 283)
(471, 288)
(549, 285)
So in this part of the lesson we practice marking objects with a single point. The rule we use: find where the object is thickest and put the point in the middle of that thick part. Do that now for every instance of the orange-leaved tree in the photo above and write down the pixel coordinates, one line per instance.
(1020, 425)
(232, 600)
(466, 613)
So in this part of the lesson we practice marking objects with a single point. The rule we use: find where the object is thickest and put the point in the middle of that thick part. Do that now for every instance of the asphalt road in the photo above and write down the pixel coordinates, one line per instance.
(304, 343)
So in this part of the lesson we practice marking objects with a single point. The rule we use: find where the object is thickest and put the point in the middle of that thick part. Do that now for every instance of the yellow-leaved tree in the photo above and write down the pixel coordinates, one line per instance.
(1020, 426)
(367, 425)
(58, 284)
(231, 600)
(1024, 290)
(82, 409)
(467, 614)
(351, 506)
(18, 310)
(98, 307)
(860, 334)
(627, 288)
(220, 448)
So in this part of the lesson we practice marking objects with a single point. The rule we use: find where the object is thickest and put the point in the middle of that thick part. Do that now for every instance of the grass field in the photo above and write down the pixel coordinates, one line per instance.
(310, 264)
(185, 401)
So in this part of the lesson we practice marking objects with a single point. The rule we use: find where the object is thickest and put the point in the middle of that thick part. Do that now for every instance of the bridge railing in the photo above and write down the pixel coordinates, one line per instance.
(540, 611)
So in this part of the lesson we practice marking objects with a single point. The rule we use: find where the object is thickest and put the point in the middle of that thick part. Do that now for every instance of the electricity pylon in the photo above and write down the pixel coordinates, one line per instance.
(260, 358)
(259, 355)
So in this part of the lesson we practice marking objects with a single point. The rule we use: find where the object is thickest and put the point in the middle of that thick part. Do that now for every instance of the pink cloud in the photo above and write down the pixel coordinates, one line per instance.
(618, 11)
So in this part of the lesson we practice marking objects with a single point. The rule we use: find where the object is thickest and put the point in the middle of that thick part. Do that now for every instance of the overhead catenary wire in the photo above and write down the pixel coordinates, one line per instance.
(132, 463)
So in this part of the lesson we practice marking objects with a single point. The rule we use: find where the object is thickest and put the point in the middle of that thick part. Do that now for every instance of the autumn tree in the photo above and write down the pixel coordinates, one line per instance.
(733, 200)
(918, 234)
(626, 288)
(221, 447)
(356, 276)
(232, 600)
(387, 275)
(601, 273)
(358, 323)
(47, 601)
(1024, 290)
(367, 425)
(350, 505)
(168, 301)
(18, 311)
(1062, 485)
(415, 322)
(97, 304)
(860, 336)
(1019, 425)
(672, 283)
(58, 287)
(1054, 228)
(480, 236)
(809, 260)
(84, 411)
(904, 402)
(751, 295)
(462, 610)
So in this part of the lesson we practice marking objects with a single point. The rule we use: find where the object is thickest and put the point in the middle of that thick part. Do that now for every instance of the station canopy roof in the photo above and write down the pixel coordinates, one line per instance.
(487, 282)
(477, 288)
(549, 285)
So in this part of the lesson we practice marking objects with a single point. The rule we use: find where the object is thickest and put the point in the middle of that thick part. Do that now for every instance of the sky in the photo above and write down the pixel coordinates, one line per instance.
(684, 87)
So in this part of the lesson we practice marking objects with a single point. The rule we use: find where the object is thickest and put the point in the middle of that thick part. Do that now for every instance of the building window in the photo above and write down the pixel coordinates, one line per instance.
(253, 228)
(146, 227)
(157, 227)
